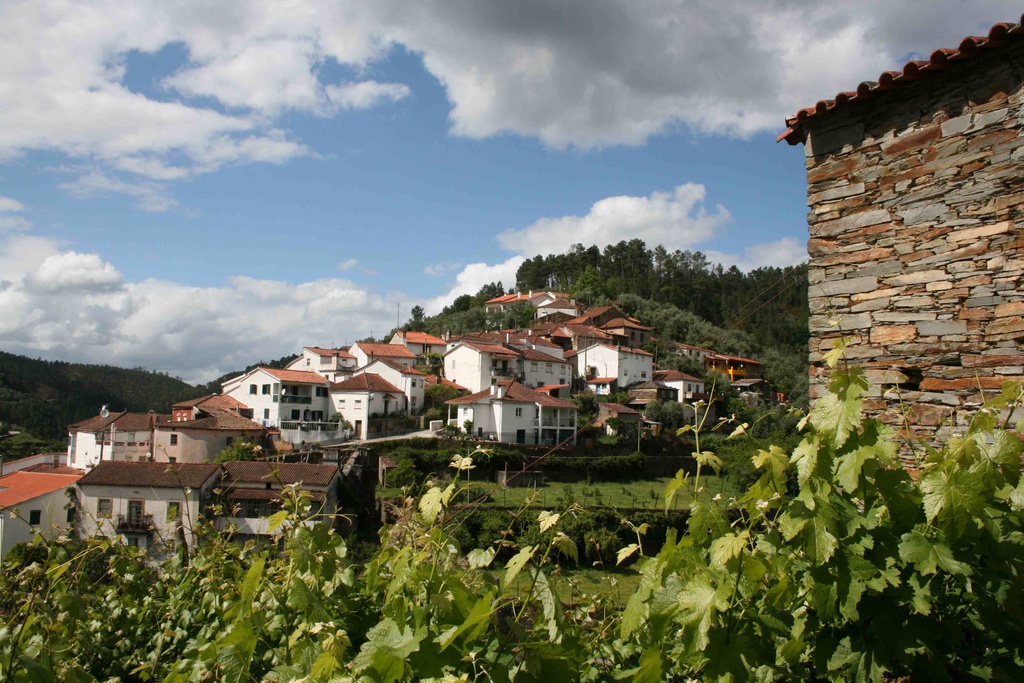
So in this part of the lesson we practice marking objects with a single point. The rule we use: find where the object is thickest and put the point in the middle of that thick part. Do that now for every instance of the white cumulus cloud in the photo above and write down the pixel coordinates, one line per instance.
(676, 219)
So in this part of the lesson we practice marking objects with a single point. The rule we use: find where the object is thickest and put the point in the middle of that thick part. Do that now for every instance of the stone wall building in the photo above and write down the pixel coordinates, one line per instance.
(916, 196)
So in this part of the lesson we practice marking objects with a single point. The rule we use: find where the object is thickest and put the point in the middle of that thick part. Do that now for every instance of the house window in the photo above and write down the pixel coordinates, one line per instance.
(266, 389)
(548, 368)
(321, 391)
(413, 384)
(173, 511)
(266, 413)
(228, 440)
(252, 388)
(307, 362)
(519, 412)
(174, 439)
(341, 403)
(35, 517)
(359, 403)
(296, 414)
(172, 460)
(71, 515)
(643, 374)
(135, 511)
(104, 507)
(533, 366)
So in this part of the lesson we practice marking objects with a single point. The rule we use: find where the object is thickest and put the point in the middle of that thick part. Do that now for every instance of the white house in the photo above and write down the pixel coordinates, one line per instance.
(477, 365)
(203, 439)
(623, 364)
(410, 381)
(295, 401)
(567, 307)
(419, 343)
(150, 505)
(251, 492)
(366, 352)
(34, 503)
(362, 396)
(333, 364)
(690, 388)
(535, 299)
(119, 437)
(511, 413)
(544, 370)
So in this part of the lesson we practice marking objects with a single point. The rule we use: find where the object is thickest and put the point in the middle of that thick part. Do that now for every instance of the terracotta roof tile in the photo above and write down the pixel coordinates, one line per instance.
(21, 487)
(384, 350)
(422, 338)
(212, 402)
(295, 376)
(674, 376)
(285, 472)
(998, 36)
(515, 393)
(122, 421)
(320, 351)
(367, 381)
(50, 468)
(434, 379)
(219, 421)
(150, 474)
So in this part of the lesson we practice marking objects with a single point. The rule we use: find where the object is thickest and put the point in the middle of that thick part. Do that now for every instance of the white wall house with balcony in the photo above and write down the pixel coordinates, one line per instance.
(364, 396)
(410, 381)
(295, 401)
(626, 365)
(366, 352)
(476, 366)
(150, 505)
(333, 364)
(513, 413)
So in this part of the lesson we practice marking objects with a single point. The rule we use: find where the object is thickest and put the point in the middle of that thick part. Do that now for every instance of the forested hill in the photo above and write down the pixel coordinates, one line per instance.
(44, 397)
(760, 314)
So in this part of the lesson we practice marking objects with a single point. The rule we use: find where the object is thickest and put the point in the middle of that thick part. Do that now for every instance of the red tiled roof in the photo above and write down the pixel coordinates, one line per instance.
(533, 354)
(493, 349)
(274, 472)
(219, 421)
(340, 353)
(601, 380)
(970, 47)
(741, 359)
(586, 331)
(395, 366)
(617, 408)
(422, 338)
(50, 468)
(296, 376)
(23, 486)
(122, 421)
(212, 401)
(367, 381)
(384, 350)
(434, 379)
(516, 393)
(674, 376)
(625, 322)
(150, 474)
(551, 387)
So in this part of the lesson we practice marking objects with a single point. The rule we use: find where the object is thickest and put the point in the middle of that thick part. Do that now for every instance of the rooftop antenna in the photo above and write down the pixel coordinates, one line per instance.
(104, 412)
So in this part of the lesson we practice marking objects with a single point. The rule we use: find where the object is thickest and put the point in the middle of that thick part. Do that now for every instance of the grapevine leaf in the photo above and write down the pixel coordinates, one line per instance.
(551, 606)
(251, 582)
(547, 520)
(651, 667)
(775, 462)
(566, 546)
(480, 557)
(516, 564)
(434, 500)
(849, 466)
(276, 520)
(728, 547)
(706, 521)
(634, 614)
(698, 602)
(386, 650)
(1017, 496)
(481, 611)
(709, 459)
(674, 486)
(927, 556)
(626, 552)
(805, 456)
(835, 417)
(835, 354)
(953, 497)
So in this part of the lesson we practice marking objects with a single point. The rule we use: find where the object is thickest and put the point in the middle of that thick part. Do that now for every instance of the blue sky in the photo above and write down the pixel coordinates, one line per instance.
(194, 187)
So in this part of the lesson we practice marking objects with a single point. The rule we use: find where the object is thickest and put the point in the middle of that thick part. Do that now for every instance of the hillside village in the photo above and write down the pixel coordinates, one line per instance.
(510, 386)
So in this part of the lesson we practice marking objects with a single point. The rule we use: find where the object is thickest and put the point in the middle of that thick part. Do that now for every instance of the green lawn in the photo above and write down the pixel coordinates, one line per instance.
(572, 585)
(648, 493)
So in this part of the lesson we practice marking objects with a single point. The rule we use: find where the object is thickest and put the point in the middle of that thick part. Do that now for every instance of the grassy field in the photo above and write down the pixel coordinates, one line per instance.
(572, 585)
(648, 493)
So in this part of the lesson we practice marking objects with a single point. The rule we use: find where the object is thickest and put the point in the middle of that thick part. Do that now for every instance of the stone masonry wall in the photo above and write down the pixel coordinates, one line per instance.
(916, 207)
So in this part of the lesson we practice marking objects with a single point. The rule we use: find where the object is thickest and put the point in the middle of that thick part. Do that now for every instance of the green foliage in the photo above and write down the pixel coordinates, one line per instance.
(242, 450)
(864, 574)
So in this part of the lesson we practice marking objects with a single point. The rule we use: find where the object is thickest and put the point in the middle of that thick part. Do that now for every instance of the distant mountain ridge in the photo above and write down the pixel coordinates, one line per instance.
(44, 397)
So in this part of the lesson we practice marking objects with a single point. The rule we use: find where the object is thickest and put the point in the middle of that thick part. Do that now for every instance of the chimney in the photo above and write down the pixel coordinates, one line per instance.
(501, 391)
(494, 389)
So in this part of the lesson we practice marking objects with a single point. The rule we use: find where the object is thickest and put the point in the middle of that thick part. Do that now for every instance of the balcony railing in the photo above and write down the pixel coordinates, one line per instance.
(134, 523)
(311, 426)
(552, 422)
(288, 398)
